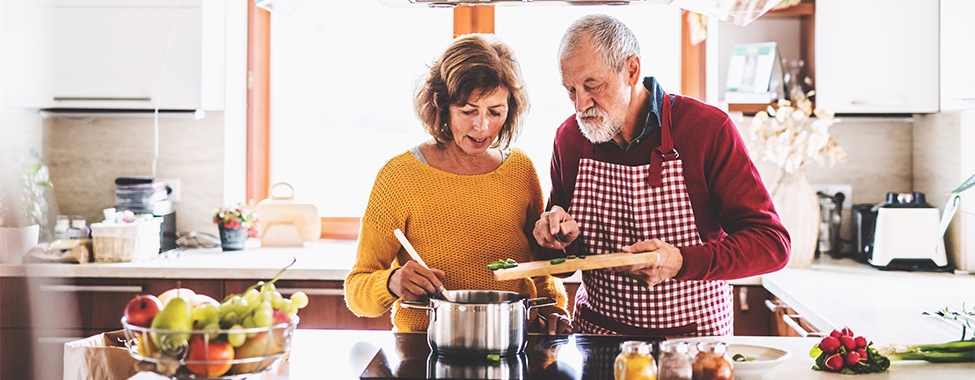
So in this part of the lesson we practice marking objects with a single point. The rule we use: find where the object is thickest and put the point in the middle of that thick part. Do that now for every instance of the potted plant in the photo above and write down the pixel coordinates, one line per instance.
(22, 207)
(237, 222)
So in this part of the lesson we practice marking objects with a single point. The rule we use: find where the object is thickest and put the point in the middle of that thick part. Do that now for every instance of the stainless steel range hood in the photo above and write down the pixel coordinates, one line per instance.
(739, 12)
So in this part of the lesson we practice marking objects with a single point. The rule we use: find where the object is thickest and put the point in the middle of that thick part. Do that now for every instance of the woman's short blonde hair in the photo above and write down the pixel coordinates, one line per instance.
(471, 62)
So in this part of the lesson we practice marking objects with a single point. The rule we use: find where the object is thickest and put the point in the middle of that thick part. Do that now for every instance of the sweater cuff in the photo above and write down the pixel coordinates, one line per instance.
(383, 295)
(694, 264)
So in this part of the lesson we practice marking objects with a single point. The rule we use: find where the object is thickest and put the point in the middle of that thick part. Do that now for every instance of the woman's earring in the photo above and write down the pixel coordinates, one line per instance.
(444, 128)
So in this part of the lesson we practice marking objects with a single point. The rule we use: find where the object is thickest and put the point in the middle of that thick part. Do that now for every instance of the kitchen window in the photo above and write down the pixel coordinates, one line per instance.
(341, 99)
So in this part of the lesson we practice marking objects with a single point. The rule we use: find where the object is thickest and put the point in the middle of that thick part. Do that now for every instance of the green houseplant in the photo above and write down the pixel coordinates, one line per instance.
(236, 222)
(23, 206)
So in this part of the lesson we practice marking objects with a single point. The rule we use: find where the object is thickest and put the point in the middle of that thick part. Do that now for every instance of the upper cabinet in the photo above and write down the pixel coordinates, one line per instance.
(878, 57)
(115, 54)
(957, 55)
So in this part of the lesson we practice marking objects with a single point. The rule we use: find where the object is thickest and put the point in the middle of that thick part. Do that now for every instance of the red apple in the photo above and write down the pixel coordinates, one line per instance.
(216, 355)
(141, 309)
(279, 318)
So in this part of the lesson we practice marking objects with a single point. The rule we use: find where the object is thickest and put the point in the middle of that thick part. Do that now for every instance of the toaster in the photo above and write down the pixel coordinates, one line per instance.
(906, 235)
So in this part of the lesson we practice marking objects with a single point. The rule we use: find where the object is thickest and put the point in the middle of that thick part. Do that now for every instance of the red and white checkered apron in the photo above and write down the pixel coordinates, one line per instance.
(617, 205)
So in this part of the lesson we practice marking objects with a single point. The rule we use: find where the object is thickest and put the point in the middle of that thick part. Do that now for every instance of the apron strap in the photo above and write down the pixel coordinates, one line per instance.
(666, 151)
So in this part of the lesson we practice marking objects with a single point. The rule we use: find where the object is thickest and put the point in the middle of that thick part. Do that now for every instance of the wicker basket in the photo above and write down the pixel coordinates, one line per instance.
(115, 243)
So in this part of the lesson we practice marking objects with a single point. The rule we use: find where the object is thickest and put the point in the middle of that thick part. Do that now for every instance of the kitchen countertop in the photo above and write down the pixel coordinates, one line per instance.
(883, 306)
(349, 352)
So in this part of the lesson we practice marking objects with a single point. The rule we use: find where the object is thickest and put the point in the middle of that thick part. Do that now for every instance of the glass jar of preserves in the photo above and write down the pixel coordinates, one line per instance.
(635, 362)
(712, 362)
(675, 362)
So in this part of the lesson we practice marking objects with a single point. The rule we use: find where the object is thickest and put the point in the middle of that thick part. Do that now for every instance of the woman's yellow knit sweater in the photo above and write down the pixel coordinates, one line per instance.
(457, 223)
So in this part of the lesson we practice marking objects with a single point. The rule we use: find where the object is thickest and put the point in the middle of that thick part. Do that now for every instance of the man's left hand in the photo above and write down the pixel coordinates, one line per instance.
(668, 264)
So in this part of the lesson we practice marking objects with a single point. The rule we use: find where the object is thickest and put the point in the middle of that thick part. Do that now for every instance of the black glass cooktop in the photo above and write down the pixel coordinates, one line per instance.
(545, 357)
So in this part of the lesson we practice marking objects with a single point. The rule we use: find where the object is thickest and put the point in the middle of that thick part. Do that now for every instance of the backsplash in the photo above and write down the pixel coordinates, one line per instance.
(85, 155)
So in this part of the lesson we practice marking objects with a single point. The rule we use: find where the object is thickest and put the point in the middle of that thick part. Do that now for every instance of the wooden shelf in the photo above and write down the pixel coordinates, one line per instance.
(748, 109)
(798, 10)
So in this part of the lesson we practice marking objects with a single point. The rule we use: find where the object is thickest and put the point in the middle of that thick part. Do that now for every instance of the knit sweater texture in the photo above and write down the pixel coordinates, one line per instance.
(458, 224)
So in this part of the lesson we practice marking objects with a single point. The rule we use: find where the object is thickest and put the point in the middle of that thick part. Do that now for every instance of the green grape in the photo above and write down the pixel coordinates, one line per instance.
(276, 299)
(252, 296)
(263, 318)
(292, 310)
(268, 287)
(204, 311)
(237, 338)
(264, 306)
(286, 306)
(212, 326)
(300, 299)
(229, 318)
(249, 324)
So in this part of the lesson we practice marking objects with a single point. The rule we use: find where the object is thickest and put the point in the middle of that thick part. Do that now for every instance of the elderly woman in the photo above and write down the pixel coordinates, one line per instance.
(463, 199)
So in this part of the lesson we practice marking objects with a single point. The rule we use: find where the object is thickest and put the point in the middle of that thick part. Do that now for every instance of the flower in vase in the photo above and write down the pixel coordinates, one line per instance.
(794, 134)
(238, 215)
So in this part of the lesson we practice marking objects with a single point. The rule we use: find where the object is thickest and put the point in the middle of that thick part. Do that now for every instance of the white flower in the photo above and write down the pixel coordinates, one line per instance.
(793, 135)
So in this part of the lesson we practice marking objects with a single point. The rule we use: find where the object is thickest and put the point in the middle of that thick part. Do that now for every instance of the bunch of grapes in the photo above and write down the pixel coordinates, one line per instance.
(259, 306)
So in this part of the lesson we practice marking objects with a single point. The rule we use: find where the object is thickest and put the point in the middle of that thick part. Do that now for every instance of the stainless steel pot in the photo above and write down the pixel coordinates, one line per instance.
(478, 322)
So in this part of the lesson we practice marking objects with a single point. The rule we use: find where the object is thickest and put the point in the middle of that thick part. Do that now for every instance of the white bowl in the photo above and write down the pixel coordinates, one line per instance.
(766, 358)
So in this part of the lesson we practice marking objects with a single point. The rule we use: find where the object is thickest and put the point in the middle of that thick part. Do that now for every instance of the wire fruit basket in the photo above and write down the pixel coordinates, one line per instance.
(208, 354)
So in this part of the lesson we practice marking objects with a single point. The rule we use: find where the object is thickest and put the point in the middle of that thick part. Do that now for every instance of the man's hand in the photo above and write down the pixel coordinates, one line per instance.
(553, 224)
(555, 324)
(668, 264)
(412, 281)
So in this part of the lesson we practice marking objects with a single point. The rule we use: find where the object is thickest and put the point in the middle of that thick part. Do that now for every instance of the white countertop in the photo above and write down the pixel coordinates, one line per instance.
(883, 306)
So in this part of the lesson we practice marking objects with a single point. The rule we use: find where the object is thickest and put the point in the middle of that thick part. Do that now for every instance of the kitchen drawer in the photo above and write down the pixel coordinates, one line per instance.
(27, 354)
(84, 303)
(752, 317)
(785, 321)
(326, 305)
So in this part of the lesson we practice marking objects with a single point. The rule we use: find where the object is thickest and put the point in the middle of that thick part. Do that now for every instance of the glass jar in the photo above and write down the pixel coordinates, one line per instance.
(635, 362)
(675, 362)
(712, 362)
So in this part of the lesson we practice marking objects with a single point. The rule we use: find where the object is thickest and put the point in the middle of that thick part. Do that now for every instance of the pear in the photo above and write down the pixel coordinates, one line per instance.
(174, 316)
(183, 293)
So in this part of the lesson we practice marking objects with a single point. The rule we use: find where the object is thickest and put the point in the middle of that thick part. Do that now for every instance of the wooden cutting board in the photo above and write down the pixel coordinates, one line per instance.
(543, 267)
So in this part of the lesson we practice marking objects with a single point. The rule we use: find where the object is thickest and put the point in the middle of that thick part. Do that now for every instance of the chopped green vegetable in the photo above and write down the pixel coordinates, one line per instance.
(570, 257)
(494, 358)
(742, 358)
(581, 256)
(510, 261)
(557, 261)
(494, 266)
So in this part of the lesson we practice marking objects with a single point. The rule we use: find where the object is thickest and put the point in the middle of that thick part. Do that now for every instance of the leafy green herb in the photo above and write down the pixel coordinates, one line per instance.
(742, 358)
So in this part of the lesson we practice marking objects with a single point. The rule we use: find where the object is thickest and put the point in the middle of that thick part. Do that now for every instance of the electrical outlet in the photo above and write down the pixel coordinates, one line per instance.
(174, 184)
(847, 191)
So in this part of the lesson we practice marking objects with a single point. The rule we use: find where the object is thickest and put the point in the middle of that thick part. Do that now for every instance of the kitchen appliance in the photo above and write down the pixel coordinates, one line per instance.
(865, 220)
(478, 322)
(906, 235)
(830, 220)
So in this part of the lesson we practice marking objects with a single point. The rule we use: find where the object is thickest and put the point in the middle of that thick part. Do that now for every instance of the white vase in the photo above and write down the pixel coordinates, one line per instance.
(798, 207)
(15, 242)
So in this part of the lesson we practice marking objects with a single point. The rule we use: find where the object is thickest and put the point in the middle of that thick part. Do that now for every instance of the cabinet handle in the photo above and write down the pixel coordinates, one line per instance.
(788, 319)
(102, 99)
(890, 103)
(773, 306)
(313, 291)
(57, 339)
(743, 299)
(92, 288)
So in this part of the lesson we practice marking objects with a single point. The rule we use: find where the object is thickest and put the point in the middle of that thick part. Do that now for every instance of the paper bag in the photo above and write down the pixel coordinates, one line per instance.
(101, 357)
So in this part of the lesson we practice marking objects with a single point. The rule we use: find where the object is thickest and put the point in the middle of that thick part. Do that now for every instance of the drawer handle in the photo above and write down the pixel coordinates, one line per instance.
(312, 291)
(92, 288)
(885, 103)
(102, 99)
(743, 299)
(773, 306)
(57, 339)
(788, 319)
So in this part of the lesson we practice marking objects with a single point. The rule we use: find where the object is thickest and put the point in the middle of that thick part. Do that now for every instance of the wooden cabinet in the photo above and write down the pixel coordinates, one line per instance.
(107, 54)
(785, 321)
(752, 317)
(957, 55)
(877, 57)
(326, 305)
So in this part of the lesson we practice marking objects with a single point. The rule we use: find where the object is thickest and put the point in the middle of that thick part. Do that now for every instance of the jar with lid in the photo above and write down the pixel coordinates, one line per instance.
(635, 362)
(79, 229)
(61, 227)
(675, 363)
(712, 362)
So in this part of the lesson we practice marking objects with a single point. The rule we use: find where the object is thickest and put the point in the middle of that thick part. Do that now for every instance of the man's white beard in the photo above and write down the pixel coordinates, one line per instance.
(598, 132)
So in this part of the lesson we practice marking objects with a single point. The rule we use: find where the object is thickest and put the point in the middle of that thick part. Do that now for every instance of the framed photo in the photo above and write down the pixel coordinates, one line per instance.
(754, 73)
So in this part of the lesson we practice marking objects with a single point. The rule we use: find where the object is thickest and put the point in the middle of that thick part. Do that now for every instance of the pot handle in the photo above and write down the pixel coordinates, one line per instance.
(415, 305)
(540, 302)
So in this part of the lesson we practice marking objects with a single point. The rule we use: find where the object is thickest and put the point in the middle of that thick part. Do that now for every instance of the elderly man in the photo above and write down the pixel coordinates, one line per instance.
(638, 170)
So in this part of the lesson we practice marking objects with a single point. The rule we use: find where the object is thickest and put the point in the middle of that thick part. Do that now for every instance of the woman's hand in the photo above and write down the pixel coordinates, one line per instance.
(412, 281)
(555, 223)
(555, 324)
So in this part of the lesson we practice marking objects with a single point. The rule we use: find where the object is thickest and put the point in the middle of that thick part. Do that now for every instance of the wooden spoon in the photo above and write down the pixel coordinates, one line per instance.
(416, 257)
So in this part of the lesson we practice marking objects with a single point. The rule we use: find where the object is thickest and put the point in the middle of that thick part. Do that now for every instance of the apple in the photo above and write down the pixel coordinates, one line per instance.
(141, 309)
(279, 318)
(199, 299)
(184, 293)
(216, 353)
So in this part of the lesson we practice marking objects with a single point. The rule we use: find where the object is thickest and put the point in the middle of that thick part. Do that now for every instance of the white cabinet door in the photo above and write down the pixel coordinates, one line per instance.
(71, 54)
(957, 55)
(877, 56)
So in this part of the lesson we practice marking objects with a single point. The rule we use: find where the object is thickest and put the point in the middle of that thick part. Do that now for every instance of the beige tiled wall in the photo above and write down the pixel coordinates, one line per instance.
(85, 155)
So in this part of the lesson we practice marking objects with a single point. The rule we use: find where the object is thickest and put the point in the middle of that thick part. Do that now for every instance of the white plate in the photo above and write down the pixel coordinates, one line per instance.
(765, 359)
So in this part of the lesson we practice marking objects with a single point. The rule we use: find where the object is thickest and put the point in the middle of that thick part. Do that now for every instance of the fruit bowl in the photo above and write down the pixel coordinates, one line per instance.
(208, 354)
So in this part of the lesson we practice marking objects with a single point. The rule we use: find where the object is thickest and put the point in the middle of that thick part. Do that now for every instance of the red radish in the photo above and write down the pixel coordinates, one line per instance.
(863, 354)
(847, 332)
(829, 344)
(834, 362)
(835, 334)
(861, 342)
(852, 358)
(848, 342)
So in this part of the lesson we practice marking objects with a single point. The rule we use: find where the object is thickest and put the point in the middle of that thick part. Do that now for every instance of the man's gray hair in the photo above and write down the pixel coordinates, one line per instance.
(610, 36)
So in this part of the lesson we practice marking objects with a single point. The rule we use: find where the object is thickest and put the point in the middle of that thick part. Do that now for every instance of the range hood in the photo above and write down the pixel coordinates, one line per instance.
(738, 12)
